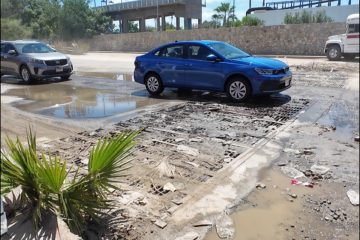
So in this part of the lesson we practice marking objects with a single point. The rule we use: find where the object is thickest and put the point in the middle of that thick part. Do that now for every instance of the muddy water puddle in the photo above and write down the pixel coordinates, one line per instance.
(269, 213)
(73, 102)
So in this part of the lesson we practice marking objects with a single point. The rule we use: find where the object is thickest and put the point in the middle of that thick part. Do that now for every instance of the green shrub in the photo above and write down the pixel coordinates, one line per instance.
(306, 17)
(12, 29)
(48, 185)
(250, 21)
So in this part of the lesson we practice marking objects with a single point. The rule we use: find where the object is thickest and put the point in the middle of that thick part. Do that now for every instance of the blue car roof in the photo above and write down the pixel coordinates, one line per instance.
(184, 42)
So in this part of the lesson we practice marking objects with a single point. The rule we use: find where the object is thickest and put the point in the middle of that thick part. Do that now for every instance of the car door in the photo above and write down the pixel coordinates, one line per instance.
(8, 61)
(201, 73)
(170, 65)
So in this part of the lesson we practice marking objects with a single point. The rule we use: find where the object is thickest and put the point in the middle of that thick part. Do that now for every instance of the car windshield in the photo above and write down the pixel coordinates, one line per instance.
(228, 51)
(33, 48)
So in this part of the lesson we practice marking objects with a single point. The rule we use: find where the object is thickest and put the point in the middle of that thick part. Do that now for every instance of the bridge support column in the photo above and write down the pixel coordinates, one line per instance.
(163, 23)
(124, 26)
(188, 23)
(199, 23)
(142, 25)
(177, 23)
(158, 24)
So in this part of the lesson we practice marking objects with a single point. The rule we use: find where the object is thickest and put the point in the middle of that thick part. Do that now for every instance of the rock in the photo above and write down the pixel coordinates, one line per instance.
(203, 223)
(353, 197)
(260, 185)
(317, 169)
(281, 164)
(177, 201)
(289, 150)
(189, 236)
(188, 150)
(169, 187)
(192, 164)
(197, 140)
(172, 209)
(178, 140)
(293, 195)
(225, 227)
(227, 160)
(307, 152)
(292, 172)
(93, 134)
(160, 224)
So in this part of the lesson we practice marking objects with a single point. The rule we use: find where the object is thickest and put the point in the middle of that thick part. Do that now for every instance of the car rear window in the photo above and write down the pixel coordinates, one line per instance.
(176, 51)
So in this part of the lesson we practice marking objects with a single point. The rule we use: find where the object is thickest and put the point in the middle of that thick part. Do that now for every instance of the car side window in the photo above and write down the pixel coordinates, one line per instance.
(198, 52)
(4, 48)
(176, 51)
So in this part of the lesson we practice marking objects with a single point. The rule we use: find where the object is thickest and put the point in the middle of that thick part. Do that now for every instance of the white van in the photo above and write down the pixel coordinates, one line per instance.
(346, 45)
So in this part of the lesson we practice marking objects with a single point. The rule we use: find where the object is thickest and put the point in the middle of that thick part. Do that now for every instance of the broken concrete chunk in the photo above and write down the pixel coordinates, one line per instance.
(188, 150)
(260, 185)
(177, 140)
(227, 160)
(160, 224)
(292, 172)
(225, 227)
(197, 140)
(177, 201)
(169, 187)
(189, 236)
(172, 209)
(289, 150)
(192, 164)
(353, 197)
(317, 169)
(203, 223)
(130, 197)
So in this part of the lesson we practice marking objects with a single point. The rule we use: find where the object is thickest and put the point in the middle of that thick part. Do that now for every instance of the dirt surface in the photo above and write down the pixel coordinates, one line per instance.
(200, 156)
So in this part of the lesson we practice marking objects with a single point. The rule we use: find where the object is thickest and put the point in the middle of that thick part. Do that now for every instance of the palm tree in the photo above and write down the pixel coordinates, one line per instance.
(224, 11)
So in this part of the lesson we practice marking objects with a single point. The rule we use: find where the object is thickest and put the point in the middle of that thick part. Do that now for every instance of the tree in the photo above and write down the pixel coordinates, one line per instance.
(306, 17)
(133, 27)
(12, 29)
(225, 12)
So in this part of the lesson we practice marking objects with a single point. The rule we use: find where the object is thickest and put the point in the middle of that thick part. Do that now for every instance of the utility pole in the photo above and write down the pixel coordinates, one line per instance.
(233, 17)
(157, 16)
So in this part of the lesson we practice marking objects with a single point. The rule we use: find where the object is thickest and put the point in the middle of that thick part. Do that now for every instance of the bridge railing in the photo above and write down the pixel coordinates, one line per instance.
(139, 4)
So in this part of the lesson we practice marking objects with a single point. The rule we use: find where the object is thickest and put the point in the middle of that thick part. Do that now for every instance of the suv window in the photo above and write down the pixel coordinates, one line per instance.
(5, 47)
(176, 51)
(353, 28)
(198, 52)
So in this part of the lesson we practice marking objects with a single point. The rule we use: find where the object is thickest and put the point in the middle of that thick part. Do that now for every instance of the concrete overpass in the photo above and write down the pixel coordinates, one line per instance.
(142, 10)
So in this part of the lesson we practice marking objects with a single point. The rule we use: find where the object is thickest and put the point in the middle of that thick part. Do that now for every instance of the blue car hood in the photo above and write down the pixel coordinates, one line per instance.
(260, 62)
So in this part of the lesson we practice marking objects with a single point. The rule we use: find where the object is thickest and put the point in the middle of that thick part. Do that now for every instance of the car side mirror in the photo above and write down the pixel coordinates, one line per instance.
(12, 52)
(212, 58)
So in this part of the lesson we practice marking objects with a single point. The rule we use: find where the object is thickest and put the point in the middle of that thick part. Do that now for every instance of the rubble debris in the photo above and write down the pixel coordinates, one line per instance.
(353, 197)
(317, 169)
(225, 227)
(177, 201)
(203, 223)
(165, 169)
(289, 150)
(292, 172)
(189, 236)
(172, 209)
(281, 164)
(227, 160)
(178, 140)
(160, 224)
(293, 195)
(192, 164)
(196, 140)
(188, 150)
(130, 197)
(169, 187)
(260, 185)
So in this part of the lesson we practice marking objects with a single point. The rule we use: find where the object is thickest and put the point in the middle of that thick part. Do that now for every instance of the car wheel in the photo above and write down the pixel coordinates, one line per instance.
(66, 77)
(334, 53)
(26, 74)
(154, 84)
(238, 90)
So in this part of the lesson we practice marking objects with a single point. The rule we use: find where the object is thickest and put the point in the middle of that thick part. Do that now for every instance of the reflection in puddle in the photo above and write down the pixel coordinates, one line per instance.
(114, 76)
(65, 101)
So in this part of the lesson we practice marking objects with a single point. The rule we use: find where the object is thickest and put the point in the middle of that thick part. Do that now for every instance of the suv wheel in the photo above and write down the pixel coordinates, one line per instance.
(154, 84)
(334, 53)
(238, 90)
(26, 74)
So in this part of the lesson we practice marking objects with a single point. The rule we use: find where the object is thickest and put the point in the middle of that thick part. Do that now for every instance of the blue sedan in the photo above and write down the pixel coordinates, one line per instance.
(213, 66)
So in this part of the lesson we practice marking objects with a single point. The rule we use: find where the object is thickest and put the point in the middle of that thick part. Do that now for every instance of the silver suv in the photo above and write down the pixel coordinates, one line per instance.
(33, 59)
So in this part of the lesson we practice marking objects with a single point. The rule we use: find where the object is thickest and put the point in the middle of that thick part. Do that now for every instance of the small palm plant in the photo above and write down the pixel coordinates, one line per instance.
(48, 187)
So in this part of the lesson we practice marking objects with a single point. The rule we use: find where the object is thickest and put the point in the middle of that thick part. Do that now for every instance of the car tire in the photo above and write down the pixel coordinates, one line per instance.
(154, 84)
(25, 74)
(238, 89)
(334, 53)
(66, 77)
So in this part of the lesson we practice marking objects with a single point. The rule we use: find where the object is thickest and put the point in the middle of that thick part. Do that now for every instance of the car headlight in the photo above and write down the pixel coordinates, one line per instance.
(263, 71)
(34, 60)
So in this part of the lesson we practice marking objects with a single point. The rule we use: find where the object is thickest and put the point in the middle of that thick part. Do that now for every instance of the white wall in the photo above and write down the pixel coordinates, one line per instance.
(337, 13)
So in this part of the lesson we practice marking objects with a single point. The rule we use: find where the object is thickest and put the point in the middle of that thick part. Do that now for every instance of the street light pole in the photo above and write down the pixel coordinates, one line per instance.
(157, 16)
(233, 14)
